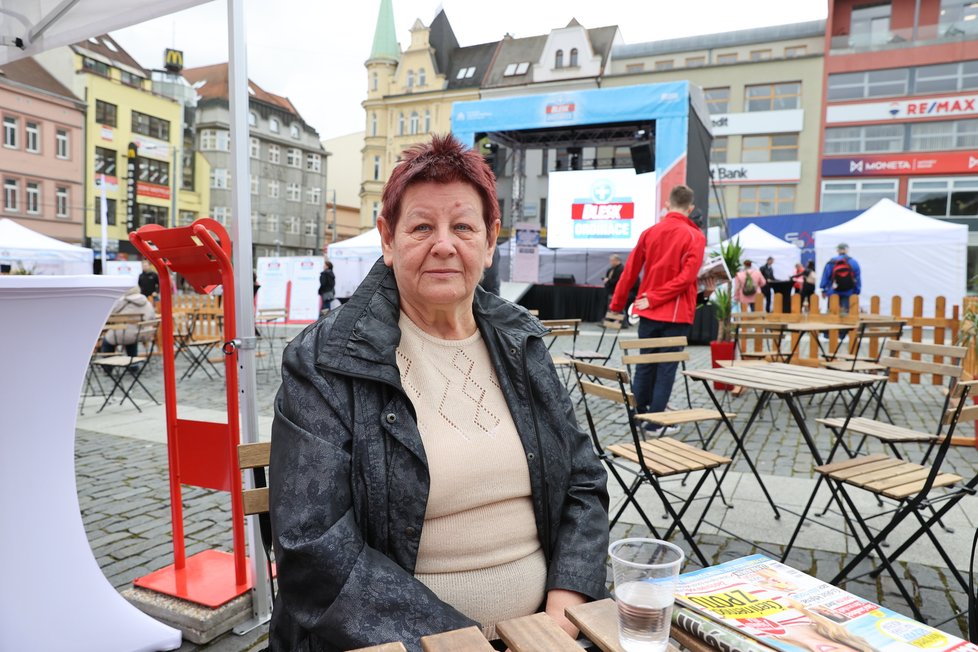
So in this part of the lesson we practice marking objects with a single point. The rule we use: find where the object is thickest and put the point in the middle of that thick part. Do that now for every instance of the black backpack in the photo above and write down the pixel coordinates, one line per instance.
(843, 277)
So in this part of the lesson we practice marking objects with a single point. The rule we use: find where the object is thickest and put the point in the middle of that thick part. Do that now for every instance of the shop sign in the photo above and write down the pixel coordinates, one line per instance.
(754, 173)
(758, 122)
(900, 164)
(948, 106)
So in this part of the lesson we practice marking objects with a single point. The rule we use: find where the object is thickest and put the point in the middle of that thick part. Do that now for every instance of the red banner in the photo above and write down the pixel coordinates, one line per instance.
(613, 211)
(152, 190)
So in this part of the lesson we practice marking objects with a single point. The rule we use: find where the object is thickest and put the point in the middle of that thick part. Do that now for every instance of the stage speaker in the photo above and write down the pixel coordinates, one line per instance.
(564, 279)
(643, 158)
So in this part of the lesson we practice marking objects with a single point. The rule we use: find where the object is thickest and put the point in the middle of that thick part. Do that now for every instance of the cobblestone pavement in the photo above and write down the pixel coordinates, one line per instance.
(121, 470)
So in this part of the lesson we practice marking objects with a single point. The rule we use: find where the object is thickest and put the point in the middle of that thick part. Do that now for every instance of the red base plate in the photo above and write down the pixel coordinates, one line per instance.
(207, 579)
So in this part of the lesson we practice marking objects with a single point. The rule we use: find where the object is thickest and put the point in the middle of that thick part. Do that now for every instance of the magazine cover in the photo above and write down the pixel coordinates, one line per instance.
(713, 268)
(789, 610)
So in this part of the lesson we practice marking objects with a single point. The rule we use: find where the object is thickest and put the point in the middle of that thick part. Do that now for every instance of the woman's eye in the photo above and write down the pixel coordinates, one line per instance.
(422, 227)
(463, 227)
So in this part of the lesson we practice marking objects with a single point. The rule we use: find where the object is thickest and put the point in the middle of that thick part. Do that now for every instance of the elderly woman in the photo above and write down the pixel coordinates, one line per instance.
(427, 470)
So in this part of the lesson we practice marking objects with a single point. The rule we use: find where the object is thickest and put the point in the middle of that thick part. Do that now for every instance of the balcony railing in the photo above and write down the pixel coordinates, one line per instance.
(933, 34)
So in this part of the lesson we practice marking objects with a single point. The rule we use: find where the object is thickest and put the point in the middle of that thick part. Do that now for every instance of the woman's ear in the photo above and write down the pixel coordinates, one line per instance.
(386, 240)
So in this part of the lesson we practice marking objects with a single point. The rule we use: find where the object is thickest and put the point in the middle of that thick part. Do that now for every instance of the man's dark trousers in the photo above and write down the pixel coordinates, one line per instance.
(652, 384)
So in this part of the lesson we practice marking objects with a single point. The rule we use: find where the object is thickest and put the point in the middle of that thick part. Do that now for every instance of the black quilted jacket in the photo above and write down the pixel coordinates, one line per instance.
(349, 479)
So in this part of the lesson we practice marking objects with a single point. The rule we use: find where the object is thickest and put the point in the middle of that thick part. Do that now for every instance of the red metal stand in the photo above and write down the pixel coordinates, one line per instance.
(200, 453)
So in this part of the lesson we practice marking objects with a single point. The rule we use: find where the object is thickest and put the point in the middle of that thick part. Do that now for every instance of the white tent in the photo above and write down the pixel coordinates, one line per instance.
(901, 253)
(352, 260)
(37, 253)
(759, 245)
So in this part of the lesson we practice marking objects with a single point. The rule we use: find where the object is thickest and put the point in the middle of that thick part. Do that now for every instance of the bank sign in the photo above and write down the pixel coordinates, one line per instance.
(953, 106)
(736, 173)
(897, 164)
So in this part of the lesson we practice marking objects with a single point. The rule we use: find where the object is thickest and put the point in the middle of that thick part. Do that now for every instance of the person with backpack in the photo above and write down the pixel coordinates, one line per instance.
(841, 276)
(748, 282)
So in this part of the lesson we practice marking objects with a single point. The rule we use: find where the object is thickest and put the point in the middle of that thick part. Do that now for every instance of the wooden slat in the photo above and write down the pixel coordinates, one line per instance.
(386, 647)
(598, 621)
(252, 456)
(602, 391)
(255, 501)
(720, 459)
(832, 467)
(968, 413)
(882, 462)
(469, 639)
(535, 633)
(652, 358)
(601, 371)
(890, 476)
(902, 491)
(674, 417)
(878, 429)
(920, 366)
(653, 343)
(926, 349)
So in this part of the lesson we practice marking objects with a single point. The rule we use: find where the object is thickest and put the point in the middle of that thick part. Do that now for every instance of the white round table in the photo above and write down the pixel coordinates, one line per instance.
(53, 595)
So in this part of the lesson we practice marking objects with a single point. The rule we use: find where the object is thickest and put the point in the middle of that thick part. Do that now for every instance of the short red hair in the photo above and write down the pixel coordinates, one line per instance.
(444, 160)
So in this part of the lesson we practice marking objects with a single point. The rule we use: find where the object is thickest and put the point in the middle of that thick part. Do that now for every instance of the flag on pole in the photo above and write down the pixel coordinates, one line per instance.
(104, 221)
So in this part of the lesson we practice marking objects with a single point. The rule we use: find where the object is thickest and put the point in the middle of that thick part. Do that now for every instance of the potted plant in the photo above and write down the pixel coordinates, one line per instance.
(722, 301)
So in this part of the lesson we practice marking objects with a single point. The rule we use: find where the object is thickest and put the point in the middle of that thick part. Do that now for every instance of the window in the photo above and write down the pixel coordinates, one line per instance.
(958, 17)
(939, 136)
(274, 125)
(862, 140)
(130, 79)
(400, 124)
(153, 171)
(223, 140)
(946, 77)
(186, 218)
(774, 147)
(61, 143)
(727, 57)
(292, 224)
(208, 140)
(293, 157)
(634, 67)
(294, 131)
(105, 161)
(32, 138)
(314, 163)
(772, 97)
(376, 168)
(422, 77)
(222, 214)
(373, 82)
(793, 51)
(61, 201)
(573, 58)
(695, 62)
(717, 99)
(559, 59)
(874, 83)
(314, 195)
(757, 201)
(414, 122)
(373, 124)
(293, 192)
(109, 210)
(375, 212)
(954, 199)
(33, 197)
(10, 193)
(718, 151)
(760, 55)
(10, 132)
(427, 121)
(220, 177)
(271, 223)
(274, 154)
(254, 147)
(148, 125)
(146, 214)
(311, 227)
(252, 119)
(856, 195)
(664, 65)
(870, 25)
(466, 73)
(410, 79)
(106, 113)
(273, 189)
(97, 67)
(255, 188)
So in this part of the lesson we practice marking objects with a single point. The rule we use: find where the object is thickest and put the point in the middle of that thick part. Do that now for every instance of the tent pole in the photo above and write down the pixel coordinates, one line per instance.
(243, 290)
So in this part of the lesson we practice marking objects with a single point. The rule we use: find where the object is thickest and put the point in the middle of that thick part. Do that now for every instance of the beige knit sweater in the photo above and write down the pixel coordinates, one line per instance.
(479, 548)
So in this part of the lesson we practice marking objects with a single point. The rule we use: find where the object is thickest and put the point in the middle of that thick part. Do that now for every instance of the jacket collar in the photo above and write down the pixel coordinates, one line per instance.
(364, 336)
(676, 215)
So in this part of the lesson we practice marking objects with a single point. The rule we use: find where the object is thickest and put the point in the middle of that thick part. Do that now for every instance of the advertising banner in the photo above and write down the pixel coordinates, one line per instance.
(951, 106)
(895, 164)
(273, 277)
(758, 122)
(153, 190)
(526, 256)
(599, 209)
(130, 268)
(304, 288)
(779, 172)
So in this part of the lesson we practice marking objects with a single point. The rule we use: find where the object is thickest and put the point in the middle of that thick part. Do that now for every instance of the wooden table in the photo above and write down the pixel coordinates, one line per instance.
(788, 383)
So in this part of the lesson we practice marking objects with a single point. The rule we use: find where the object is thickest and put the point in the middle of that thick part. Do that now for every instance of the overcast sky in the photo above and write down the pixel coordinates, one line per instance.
(312, 51)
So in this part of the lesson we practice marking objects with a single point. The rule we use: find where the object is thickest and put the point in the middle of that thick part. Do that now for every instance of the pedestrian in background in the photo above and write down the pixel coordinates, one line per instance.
(149, 280)
(841, 277)
(767, 271)
(136, 304)
(668, 256)
(327, 285)
(747, 283)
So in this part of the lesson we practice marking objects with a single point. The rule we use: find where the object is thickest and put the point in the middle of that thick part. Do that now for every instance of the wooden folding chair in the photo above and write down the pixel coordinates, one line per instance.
(120, 367)
(562, 329)
(914, 488)
(649, 462)
(255, 457)
(864, 353)
(760, 341)
(610, 329)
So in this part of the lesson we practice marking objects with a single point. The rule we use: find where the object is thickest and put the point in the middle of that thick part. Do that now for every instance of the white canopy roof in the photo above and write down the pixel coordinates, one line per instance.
(352, 260)
(758, 245)
(39, 254)
(901, 253)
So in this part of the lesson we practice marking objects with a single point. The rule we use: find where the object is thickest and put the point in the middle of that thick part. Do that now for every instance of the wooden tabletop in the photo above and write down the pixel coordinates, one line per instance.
(819, 326)
(781, 378)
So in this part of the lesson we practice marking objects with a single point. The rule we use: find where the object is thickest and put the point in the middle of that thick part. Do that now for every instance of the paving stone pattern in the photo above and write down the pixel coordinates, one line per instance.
(124, 495)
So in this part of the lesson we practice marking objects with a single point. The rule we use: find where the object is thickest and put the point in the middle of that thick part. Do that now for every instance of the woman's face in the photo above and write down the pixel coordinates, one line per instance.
(440, 246)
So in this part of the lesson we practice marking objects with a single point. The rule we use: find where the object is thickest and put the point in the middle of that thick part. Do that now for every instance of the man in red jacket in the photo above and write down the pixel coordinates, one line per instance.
(668, 255)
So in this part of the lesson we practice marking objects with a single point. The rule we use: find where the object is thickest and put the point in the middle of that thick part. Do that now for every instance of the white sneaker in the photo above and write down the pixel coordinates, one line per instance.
(665, 431)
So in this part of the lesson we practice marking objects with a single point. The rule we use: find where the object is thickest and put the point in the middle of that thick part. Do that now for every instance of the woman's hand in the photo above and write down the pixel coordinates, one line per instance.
(557, 601)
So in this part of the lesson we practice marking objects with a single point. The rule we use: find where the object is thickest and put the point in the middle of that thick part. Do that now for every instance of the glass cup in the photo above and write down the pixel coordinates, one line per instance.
(645, 573)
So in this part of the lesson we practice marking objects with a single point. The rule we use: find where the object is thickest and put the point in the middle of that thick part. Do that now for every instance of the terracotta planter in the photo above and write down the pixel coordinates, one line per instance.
(721, 351)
